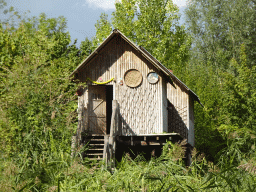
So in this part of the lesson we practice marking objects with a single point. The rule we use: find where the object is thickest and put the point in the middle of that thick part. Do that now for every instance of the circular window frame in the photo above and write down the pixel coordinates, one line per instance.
(150, 81)
(129, 84)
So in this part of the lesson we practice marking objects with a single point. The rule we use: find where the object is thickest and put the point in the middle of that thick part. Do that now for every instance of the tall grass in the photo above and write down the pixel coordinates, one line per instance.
(49, 167)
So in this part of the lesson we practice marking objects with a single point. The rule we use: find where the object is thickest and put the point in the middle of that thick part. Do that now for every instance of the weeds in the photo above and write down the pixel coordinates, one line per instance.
(51, 168)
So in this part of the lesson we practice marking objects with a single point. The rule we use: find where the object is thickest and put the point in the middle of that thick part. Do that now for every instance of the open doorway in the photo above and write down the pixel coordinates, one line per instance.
(109, 99)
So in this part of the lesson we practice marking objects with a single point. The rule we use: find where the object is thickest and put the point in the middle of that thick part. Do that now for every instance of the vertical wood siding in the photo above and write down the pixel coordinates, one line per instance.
(164, 106)
(177, 110)
(191, 131)
(83, 100)
(141, 108)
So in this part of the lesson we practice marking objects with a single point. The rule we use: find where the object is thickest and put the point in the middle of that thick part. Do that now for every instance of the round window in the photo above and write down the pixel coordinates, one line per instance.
(153, 77)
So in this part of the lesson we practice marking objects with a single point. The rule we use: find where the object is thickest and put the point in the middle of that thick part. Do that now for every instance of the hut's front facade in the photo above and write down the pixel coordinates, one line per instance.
(150, 99)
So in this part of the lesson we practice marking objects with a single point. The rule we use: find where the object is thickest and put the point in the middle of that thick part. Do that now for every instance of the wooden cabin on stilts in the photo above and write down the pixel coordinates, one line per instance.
(130, 99)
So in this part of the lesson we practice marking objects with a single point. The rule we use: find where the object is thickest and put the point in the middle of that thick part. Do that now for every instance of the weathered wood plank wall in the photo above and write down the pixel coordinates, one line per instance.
(141, 109)
(191, 131)
(83, 100)
(178, 109)
(165, 106)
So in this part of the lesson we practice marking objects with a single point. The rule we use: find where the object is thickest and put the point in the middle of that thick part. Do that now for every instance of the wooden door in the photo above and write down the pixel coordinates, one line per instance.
(97, 109)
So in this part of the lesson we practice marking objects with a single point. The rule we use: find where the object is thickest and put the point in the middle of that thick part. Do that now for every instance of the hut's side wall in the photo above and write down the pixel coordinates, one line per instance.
(164, 106)
(177, 110)
(191, 131)
(82, 116)
(141, 108)
(84, 99)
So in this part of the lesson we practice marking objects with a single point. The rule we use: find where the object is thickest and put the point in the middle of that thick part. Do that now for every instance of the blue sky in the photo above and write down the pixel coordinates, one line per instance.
(81, 15)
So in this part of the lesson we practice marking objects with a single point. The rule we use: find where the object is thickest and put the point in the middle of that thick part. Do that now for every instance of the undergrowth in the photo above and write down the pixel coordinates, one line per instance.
(53, 169)
(38, 119)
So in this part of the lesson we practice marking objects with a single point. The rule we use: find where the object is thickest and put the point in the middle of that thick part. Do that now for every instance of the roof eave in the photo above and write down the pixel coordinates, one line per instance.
(95, 52)
(142, 50)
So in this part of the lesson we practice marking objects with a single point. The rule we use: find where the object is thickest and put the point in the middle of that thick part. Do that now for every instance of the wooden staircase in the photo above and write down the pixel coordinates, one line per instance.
(96, 147)
(100, 147)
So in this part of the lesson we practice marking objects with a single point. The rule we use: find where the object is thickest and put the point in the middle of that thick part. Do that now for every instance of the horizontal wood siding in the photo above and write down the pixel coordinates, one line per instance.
(177, 109)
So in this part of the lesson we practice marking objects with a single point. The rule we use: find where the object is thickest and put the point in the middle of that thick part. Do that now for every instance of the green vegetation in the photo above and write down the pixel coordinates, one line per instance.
(214, 56)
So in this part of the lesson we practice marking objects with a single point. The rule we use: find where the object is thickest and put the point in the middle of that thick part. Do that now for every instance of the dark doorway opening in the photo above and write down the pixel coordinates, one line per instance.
(109, 99)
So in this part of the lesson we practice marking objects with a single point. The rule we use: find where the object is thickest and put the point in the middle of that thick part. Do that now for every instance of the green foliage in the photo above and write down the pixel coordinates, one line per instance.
(239, 104)
(221, 69)
(103, 29)
(56, 171)
(219, 28)
(35, 92)
(85, 48)
(158, 31)
(37, 100)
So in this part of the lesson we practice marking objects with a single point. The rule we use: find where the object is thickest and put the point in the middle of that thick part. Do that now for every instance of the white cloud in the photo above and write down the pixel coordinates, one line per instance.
(110, 4)
(103, 4)
(180, 3)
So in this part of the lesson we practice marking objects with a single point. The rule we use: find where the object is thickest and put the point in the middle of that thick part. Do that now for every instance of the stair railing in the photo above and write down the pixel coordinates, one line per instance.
(110, 142)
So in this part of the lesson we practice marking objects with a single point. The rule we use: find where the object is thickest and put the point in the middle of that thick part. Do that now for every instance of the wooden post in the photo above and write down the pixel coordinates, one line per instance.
(110, 141)
(76, 139)
(73, 146)
(106, 154)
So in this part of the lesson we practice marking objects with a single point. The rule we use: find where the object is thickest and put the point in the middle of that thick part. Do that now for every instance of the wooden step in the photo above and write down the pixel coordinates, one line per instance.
(97, 135)
(96, 144)
(96, 147)
(96, 159)
(95, 154)
(92, 149)
(97, 139)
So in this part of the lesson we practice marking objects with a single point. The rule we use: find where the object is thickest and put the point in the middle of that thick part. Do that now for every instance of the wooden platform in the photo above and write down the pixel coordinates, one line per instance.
(149, 139)
(144, 139)
(147, 144)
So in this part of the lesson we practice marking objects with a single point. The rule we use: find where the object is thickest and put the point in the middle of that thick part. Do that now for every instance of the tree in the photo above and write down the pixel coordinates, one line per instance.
(36, 95)
(103, 29)
(158, 31)
(239, 103)
(222, 59)
(85, 48)
(219, 28)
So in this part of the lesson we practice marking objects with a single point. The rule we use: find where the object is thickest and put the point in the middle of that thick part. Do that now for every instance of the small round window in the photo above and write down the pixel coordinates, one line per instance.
(153, 77)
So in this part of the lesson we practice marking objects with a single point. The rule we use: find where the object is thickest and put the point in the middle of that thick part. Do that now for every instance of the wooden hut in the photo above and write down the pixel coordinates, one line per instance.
(130, 98)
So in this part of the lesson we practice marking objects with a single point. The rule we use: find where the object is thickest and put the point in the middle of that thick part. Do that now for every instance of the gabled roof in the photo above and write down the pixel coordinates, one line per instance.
(144, 53)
